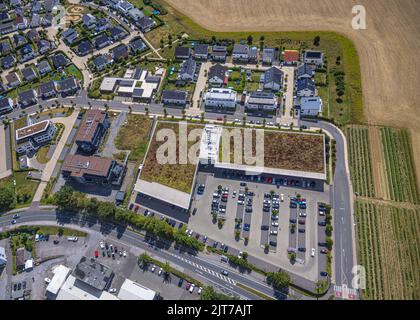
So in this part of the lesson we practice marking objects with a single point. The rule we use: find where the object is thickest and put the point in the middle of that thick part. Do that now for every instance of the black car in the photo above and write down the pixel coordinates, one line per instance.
(273, 243)
(323, 273)
(301, 230)
(248, 209)
(180, 225)
(322, 223)
(302, 249)
(243, 184)
(265, 227)
(302, 206)
(56, 242)
(226, 249)
(180, 282)
(322, 244)
(292, 220)
(293, 205)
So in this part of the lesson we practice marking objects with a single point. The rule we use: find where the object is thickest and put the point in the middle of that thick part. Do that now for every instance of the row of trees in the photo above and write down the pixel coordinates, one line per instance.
(69, 200)
(7, 198)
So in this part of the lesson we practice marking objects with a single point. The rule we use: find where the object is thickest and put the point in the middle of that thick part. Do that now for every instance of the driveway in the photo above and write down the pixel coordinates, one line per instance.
(200, 86)
(289, 72)
(49, 168)
(109, 148)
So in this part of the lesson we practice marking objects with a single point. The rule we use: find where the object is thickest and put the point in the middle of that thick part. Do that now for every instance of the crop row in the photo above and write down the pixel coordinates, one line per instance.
(399, 165)
(360, 161)
(388, 241)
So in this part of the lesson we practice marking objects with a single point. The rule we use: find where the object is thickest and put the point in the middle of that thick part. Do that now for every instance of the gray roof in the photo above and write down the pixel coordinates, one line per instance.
(240, 49)
(27, 95)
(137, 44)
(145, 22)
(313, 54)
(47, 87)
(174, 94)
(218, 71)
(117, 32)
(219, 49)
(28, 72)
(59, 60)
(273, 75)
(99, 40)
(93, 274)
(269, 53)
(188, 67)
(119, 51)
(305, 83)
(68, 84)
(262, 95)
(44, 64)
(182, 51)
(4, 102)
(304, 69)
(84, 47)
(201, 48)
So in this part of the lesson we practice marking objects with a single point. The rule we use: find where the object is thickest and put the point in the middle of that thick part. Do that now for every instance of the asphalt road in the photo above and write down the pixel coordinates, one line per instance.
(200, 265)
(342, 203)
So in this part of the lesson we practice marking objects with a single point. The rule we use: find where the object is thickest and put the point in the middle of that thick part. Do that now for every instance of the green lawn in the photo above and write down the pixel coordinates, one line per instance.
(73, 71)
(25, 189)
(41, 155)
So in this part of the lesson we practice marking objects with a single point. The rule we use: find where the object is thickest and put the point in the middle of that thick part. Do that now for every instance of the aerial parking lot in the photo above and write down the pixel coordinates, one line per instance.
(257, 218)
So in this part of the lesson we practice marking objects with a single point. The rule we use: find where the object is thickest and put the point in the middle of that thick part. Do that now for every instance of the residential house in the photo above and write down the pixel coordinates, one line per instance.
(6, 105)
(7, 27)
(43, 67)
(89, 21)
(119, 52)
(50, 4)
(305, 71)
(36, 7)
(261, 101)
(102, 41)
(174, 98)
(33, 35)
(4, 16)
(137, 45)
(273, 79)
(70, 36)
(102, 25)
(240, 53)
(29, 74)
(27, 98)
(145, 24)
(270, 56)
(91, 130)
(3, 256)
(182, 53)
(102, 61)
(219, 53)
(69, 86)
(201, 51)
(187, 70)
(117, 33)
(19, 40)
(8, 61)
(59, 60)
(290, 57)
(220, 99)
(21, 23)
(35, 21)
(124, 6)
(313, 57)
(305, 87)
(13, 80)
(44, 46)
(135, 14)
(253, 55)
(217, 75)
(5, 47)
(309, 106)
(15, 3)
(84, 48)
(47, 20)
(47, 90)
(26, 53)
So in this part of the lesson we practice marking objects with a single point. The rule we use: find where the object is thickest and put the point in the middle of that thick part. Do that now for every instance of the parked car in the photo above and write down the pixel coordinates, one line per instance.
(187, 286)
(13, 221)
(200, 290)
(74, 239)
(180, 282)
(273, 243)
(273, 232)
(313, 252)
(302, 249)
(160, 271)
(263, 227)
(323, 273)
(322, 223)
(112, 290)
(153, 268)
(192, 287)
(324, 251)
(275, 224)
(16, 216)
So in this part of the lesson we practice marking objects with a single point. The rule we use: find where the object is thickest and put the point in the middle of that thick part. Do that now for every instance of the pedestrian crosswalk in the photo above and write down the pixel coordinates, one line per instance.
(207, 270)
(344, 292)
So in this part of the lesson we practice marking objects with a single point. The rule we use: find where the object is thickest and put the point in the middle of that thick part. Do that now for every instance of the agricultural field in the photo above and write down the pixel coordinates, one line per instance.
(360, 161)
(289, 151)
(174, 175)
(133, 135)
(399, 165)
(388, 240)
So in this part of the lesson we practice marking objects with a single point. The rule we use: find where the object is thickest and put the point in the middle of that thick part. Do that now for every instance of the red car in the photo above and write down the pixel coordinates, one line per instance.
(96, 253)
(187, 286)
(136, 208)
(219, 119)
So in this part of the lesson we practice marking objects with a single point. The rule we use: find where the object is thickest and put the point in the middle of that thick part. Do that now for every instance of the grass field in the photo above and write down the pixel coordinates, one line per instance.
(388, 247)
(41, 155)
(399, 166)
(134, 136)
(24, 189)
(360, 161)
(282, 150)
(175, 175)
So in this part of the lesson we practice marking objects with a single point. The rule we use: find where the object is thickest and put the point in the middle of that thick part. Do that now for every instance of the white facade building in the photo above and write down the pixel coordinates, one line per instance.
(220, 98)
(310, 106)
(29, 138)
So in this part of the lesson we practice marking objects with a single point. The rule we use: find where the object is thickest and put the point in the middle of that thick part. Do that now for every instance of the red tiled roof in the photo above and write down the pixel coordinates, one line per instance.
(291, 55)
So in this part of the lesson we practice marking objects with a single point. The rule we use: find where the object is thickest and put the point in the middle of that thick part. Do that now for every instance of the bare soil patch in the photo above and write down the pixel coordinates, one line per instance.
(377, 164)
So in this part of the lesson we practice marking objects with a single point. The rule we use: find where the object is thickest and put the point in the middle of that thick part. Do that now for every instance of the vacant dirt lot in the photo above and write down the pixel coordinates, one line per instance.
(388, 48)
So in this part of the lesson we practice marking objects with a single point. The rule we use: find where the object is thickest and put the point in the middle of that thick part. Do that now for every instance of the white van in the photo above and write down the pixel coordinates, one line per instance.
(282, 197)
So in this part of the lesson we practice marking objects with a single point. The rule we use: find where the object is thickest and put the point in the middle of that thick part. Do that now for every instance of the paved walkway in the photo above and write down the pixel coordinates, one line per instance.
(5, 169)
(49, 168)
(289, 72)
(200, 86)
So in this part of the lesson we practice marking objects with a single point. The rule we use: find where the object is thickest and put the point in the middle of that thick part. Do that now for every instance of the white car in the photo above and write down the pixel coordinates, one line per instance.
(282, 197)
(321, 213)
(199, 290)
(47, 280)
(302, 214)
(313, 252)
(124, 254)
(74, 239)
(153, 268)
(190, 233)
(160, 271)
(234, 194)
(240, 254)
(192, 287)
(101, 244)
(241, 202)
(112, 290)
(275, 224)
(273, 232)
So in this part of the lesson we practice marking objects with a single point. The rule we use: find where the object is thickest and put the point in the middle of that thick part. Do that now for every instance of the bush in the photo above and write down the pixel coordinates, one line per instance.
(7, 199)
